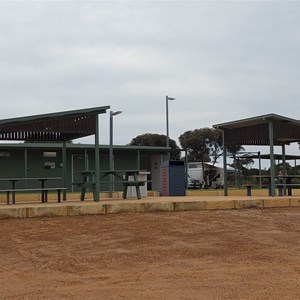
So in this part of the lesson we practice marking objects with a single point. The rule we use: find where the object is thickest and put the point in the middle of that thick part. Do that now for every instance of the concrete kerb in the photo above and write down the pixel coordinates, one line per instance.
(295, 202)
(90, 209)
(13, 213)
(157, 204)
(239, 204)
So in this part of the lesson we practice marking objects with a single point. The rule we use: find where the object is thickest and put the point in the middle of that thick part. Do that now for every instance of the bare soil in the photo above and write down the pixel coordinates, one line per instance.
(246, 254)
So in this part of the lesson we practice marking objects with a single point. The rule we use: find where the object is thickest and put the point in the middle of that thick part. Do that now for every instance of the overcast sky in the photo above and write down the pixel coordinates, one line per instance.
(221, 60)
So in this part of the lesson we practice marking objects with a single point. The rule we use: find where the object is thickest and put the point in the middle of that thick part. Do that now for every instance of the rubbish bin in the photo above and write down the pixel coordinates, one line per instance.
(172, 178)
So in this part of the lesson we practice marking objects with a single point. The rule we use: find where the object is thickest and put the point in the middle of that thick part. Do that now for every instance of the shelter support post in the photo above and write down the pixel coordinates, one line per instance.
(272, 161)
(86, 160)
(283, 163)
(64, 169)
(283, 158)
(186, 169)
(225, 165)
(235, 171)
(138, 159)
(25, 165)
(259, 168)
(97, 162)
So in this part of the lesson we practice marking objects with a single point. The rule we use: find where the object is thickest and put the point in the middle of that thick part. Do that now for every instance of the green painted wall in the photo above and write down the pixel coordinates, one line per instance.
(13, 165)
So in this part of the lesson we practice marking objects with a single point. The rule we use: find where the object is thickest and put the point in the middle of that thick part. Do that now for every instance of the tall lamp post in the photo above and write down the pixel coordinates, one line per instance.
(111, 154)
(167, 120)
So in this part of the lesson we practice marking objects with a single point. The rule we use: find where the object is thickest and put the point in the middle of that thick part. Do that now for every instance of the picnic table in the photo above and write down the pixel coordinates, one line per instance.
(43, 189)
(283, 182)
(126, 177)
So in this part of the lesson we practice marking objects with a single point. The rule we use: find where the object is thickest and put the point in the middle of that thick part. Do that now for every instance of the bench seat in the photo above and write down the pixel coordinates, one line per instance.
(289, 186)
(133, 183)
(250, 186)
(44, 193)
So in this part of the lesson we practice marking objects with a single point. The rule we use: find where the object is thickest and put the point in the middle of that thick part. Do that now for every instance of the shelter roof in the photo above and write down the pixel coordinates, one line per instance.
(268, 156)
(255, 131)
(59, 126)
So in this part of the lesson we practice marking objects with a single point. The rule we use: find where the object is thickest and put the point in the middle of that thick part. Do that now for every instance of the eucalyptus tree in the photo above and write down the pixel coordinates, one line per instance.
(159, 140)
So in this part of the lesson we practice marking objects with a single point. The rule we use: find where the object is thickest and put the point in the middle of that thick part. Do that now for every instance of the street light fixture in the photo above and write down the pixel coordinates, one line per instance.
(111, 155)
(167, 119)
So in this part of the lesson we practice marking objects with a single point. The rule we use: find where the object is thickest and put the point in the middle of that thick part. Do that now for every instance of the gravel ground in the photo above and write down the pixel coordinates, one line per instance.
(233, 254)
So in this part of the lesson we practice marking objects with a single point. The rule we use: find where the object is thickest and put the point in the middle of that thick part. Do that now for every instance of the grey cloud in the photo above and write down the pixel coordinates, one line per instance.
(220, 60)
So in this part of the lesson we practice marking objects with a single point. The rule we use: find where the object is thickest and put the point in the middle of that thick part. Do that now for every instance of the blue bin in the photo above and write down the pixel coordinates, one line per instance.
(172, 178)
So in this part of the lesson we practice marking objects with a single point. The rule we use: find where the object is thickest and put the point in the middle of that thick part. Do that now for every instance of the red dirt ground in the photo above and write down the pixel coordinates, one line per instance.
(245, 254)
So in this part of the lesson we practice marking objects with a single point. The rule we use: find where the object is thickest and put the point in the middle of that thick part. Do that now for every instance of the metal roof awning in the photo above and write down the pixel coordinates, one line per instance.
(268, 156)
(60, 126)
(270, 129)
(255, 131)
(57, 127)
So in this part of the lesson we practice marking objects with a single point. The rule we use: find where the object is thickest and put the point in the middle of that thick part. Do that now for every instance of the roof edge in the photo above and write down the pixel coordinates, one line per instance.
(61, 114)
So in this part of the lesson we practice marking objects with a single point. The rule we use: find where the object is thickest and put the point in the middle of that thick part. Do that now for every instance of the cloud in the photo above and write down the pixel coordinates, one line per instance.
(221, 60)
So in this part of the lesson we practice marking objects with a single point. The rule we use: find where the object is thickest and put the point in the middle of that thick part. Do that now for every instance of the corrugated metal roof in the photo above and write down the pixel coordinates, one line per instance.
(255, 131)
(267, 156)
(59, 126)
(258, 120)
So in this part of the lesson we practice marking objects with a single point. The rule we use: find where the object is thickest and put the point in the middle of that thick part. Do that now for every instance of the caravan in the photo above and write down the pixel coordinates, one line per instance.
(212, 177)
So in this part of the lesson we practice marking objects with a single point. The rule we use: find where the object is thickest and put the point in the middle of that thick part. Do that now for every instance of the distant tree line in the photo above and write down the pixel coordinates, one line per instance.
(202, 145)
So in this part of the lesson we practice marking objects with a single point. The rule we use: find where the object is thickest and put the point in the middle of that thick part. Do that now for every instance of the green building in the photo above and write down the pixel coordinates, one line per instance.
(30, 160)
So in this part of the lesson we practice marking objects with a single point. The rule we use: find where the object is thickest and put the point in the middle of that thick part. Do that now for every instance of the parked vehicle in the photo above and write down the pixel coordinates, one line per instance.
(194, 183)
(212, 177)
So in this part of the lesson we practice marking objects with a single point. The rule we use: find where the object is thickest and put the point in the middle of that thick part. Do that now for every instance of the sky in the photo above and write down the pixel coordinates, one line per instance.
(221, 60)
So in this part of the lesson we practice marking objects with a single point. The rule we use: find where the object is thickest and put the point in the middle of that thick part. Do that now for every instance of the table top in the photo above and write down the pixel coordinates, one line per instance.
(29, 178)
(119, 171)
(108, 171)
(84, 172)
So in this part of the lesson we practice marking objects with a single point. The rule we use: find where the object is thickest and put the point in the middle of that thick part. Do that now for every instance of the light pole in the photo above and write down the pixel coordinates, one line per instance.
(167, 119)
(111, 154)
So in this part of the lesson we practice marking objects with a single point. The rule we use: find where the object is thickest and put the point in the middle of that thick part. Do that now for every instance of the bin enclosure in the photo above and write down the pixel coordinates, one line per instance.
(172, 178)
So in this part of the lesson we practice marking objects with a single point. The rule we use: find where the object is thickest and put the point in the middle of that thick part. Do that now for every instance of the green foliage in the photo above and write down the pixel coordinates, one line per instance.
(158, 140)
(201, 144)
(234, 149)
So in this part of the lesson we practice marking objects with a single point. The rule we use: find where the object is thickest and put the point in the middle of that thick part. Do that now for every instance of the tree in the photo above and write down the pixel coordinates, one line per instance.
(159, 140)
(216, 144)
(234, 149)
(201, 144)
